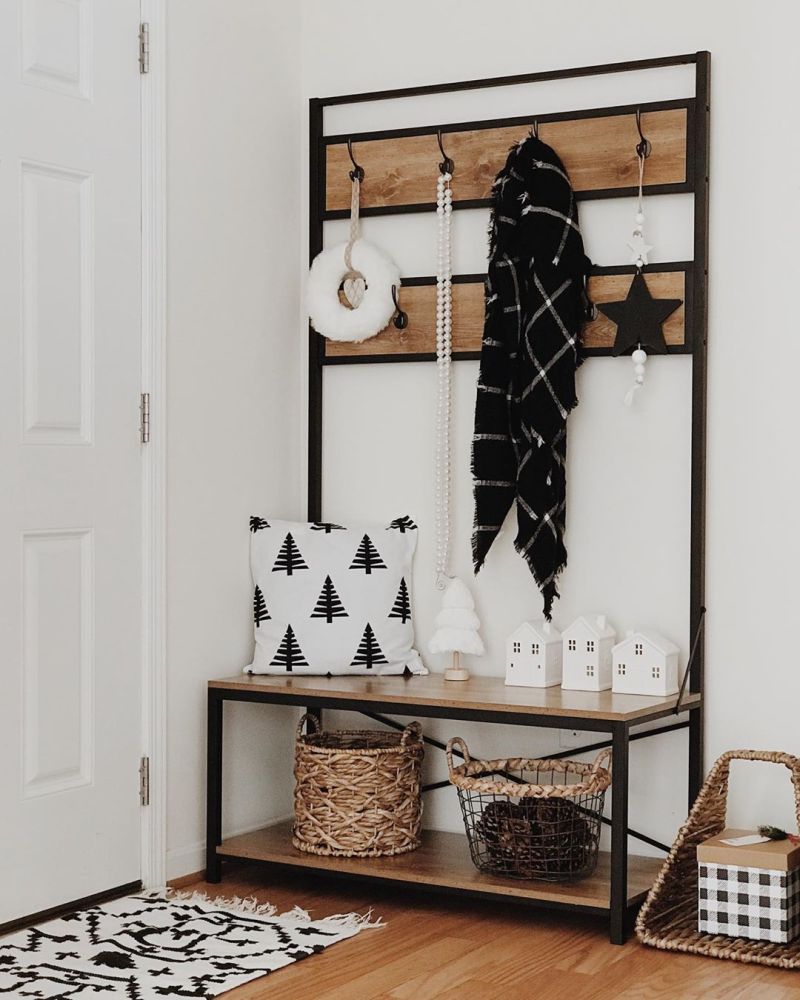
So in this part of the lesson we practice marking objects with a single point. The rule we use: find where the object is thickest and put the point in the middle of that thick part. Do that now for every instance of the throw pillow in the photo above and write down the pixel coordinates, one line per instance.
(330, 599)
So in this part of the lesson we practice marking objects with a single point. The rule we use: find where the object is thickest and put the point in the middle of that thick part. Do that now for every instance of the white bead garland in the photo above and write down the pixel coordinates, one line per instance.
(444, 347)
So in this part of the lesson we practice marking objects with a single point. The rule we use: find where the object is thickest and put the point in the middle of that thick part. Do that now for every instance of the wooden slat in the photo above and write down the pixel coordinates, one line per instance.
(599, 154)
(443, 860)
(613, 287)
(419, 302)
(479, 693)
(419, 337)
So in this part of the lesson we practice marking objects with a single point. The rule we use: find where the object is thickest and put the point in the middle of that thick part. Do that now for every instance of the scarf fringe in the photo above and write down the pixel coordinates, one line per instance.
(549, 590)
(250, 906)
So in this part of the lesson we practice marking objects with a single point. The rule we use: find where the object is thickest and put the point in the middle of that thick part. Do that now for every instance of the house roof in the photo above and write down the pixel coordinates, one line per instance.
(541, 630)
(597, 625)
(654, 639)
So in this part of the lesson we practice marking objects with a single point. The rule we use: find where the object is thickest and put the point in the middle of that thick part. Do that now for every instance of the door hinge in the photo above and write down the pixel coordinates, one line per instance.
(144, 417)
(144, 47)
(144, 781)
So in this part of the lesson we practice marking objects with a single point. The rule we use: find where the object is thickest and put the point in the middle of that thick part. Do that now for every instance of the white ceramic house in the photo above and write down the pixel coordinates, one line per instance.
(587, 645)
(645, 663)
(533, 655)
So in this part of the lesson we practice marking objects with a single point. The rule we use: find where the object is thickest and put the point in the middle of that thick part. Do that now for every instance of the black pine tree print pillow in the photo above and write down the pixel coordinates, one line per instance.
(260, 613)
(329, 604)
(332, 597)
(289, 654)
(402, 606)
(367, 557)
(403, 524)
(369, 653)
(289, 559)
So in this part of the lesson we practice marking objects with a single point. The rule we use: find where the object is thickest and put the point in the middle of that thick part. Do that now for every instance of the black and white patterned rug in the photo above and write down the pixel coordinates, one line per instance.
(151, 945)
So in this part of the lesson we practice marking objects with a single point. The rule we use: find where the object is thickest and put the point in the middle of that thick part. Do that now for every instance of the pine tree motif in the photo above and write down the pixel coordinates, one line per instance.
(402, 606)
(327, 527)
(367, 557)
(289, 654)
(369, 652)
(260, 613)
(289, 558)
(257, 523)
(403, 524)
(329, 605)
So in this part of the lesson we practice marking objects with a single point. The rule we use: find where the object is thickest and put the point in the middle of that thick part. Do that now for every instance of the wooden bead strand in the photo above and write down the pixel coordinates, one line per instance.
(444, 348)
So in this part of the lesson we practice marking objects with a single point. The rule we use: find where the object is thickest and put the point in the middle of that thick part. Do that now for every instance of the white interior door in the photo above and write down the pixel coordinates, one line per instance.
(70, 524)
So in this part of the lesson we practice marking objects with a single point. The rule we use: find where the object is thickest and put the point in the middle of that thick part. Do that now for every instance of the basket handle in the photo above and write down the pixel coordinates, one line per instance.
(313, 723)
(603, 759)
(412, 729)
(716, 785)
(452, 743)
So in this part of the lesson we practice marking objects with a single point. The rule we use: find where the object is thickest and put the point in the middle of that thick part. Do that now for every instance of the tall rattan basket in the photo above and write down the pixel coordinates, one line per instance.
(668, 919)
(357, 792)
(531, 819)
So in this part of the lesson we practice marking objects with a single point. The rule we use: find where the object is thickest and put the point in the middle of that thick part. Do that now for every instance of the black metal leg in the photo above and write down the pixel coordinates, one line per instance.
(619, 834)
(695, 754)
(214, 786)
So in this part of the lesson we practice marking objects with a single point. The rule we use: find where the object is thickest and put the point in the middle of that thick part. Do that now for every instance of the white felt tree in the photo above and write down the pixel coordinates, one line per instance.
(457, 629)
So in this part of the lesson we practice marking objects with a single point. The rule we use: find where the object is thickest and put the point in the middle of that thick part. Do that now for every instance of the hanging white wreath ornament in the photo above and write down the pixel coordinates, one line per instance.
(358, 272)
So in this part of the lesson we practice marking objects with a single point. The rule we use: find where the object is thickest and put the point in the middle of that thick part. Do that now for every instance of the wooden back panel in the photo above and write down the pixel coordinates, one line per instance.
(598, 152)
(419, 302)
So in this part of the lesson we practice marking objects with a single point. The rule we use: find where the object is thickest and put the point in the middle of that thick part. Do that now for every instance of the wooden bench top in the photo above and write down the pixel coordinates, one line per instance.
(489, 694)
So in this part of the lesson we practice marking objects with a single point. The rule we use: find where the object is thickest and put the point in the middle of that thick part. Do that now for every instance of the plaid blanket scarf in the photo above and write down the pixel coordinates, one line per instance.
(535, 305)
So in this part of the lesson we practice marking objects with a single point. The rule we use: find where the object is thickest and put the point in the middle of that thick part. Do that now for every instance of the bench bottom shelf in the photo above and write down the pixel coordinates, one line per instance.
(443, 862)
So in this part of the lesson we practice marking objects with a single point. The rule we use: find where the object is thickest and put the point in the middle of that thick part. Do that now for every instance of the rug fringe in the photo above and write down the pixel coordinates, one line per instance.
(250, 905)
(354, 921)
(236, 904)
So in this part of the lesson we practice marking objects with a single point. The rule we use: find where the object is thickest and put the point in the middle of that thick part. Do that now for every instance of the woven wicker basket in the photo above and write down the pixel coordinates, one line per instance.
(668, 919)
(531, 819)
(357, 792)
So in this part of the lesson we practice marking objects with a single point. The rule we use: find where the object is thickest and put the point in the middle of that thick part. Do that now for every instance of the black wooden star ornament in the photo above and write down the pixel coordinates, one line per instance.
(639, 318)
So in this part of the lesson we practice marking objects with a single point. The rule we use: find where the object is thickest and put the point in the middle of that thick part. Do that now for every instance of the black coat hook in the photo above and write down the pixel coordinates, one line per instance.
(401, 318)
(644, 147)
(446, 166)
(535, 128)
(357, 173)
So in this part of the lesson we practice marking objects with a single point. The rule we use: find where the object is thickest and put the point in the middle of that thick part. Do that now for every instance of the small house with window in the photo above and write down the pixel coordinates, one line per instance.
(645, 663)
(587, 645)
(533, 655)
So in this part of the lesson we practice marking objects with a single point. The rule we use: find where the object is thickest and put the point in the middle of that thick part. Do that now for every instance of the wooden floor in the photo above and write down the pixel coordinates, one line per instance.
(461, 950)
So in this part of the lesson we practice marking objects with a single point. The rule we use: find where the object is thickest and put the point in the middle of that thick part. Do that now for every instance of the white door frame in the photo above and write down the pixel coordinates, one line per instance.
(154, 660)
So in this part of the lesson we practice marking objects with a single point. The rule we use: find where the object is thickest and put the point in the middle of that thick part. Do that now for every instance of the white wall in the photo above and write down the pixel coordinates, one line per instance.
(234, 120)
(753, 683)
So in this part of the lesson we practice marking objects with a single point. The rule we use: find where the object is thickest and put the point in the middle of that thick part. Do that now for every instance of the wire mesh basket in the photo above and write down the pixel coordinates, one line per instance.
(531, 819)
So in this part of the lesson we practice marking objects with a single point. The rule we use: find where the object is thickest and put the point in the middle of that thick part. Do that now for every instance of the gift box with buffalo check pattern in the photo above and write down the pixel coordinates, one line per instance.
(749, 891)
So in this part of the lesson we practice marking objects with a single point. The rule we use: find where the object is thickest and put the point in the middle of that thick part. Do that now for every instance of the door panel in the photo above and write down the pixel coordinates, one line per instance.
(70, 522)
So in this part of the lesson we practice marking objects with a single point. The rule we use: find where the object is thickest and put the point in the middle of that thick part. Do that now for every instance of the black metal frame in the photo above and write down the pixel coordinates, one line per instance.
(619, 911)
(620, 733)
(696, 305)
